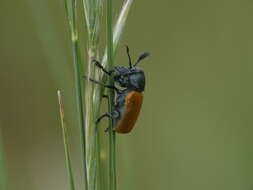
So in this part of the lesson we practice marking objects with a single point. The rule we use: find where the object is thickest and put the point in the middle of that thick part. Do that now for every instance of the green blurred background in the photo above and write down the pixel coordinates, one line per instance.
(195, 129)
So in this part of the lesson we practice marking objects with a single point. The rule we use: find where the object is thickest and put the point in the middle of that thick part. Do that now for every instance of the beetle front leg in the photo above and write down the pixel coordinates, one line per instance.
(107, 86)
(99, 65)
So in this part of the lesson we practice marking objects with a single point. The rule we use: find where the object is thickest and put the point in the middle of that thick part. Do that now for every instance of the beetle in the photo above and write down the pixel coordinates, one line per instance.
(128, 102)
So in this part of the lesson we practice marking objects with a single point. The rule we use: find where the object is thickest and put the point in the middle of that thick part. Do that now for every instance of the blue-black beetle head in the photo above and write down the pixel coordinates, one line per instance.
(131, 77)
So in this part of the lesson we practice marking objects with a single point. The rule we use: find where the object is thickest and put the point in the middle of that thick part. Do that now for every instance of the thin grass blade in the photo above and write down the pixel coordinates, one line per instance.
(71, 11)
(93, 12)
(112, 137)
(66, 143)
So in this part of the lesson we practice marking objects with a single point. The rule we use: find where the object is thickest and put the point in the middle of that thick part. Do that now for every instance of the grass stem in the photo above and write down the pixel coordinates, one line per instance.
(93, 13)
(112, 137)
(90, 130)
(65, 142)
(71, 10)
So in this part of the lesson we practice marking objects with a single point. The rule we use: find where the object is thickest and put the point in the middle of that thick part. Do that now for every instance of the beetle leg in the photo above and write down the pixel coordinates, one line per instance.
(106, 86)
(98, 64)
(103, 116)
(115, 115)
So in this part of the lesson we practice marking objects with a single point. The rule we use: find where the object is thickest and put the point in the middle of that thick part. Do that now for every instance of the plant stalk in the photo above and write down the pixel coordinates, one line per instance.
(93, 13)
(91, 130)
(65, 142)
(76, 52)
(72, 19)
(112, 137)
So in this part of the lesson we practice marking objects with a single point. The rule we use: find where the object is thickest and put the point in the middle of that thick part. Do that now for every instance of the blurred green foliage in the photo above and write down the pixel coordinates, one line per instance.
(195, 129)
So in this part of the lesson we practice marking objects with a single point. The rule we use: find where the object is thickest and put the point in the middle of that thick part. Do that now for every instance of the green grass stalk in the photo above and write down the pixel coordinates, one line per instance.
(91, 133)
(112, 136)
(93, 13)
(66, 143)
(71, 11)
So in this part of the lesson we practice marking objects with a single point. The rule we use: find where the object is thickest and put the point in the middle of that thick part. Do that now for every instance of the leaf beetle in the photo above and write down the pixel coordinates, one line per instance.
(129, 98)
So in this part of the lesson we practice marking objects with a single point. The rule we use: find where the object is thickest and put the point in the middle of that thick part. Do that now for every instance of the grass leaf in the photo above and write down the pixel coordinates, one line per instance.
(66, 143)
(112, 136)
(71, 11)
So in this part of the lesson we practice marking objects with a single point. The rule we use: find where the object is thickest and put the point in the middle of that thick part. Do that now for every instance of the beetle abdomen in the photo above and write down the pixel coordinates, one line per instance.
(132, 107)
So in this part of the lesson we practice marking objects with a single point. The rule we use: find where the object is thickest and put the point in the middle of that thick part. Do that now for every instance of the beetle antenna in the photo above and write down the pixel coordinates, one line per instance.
(142, 56)
(129, 58)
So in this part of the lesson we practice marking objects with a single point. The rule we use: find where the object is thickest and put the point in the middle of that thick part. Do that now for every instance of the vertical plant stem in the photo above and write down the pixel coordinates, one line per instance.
(78, 87)
(112, 137)
(90, 130)
(93, 13)
(65, 142)
(72, 19)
